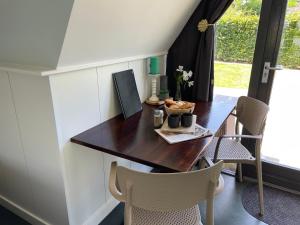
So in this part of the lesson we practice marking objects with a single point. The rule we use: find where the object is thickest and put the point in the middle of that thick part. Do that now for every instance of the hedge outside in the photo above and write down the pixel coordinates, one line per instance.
(236, 36)
(290, 50)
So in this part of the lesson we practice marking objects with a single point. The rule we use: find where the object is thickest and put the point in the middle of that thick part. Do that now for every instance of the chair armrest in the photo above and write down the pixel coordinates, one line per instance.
(233, 114)
(112, 183)
(208, 161)
(242, 136)
(232, 136)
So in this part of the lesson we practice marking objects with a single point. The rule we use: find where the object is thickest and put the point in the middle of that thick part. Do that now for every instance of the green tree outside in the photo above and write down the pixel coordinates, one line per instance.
(236, 33)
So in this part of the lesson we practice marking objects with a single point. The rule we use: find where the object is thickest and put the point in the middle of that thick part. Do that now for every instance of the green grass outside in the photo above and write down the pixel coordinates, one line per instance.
(232, 75)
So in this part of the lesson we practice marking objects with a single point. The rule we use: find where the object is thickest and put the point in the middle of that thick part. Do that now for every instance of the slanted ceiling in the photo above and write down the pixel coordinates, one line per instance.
(108, 29)
(97, 30)
(32, 31)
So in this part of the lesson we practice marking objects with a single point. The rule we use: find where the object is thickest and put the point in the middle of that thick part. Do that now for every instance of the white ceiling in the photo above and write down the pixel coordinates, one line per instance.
(32, 31)
(52, 34)
(109, 29)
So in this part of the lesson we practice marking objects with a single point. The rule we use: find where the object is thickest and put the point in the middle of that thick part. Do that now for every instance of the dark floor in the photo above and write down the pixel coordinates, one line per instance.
(228, 208)
(8, 218)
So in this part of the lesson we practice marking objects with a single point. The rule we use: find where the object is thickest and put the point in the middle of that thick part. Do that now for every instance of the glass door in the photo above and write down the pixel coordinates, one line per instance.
(278, 42)
(280, 143)
(236, 33)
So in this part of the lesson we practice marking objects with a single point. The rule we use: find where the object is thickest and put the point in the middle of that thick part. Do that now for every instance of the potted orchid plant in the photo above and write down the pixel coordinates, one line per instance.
(183, 78)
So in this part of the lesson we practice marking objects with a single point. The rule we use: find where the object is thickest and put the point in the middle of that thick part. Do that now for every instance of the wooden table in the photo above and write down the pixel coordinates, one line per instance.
(134, 139)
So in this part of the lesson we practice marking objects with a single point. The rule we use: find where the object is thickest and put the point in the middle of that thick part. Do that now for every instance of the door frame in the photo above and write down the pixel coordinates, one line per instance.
(267, 47)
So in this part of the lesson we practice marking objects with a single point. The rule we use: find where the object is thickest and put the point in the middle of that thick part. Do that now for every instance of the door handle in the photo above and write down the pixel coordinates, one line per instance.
(267, 68)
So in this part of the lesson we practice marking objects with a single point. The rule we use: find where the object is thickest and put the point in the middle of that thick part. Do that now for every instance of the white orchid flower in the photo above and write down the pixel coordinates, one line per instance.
(190, 83)
(180, 69)
(185, 76)
(190, 74)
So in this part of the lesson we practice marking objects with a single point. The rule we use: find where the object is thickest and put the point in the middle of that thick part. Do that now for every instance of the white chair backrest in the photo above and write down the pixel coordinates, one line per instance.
(167, 191)
(252, 113)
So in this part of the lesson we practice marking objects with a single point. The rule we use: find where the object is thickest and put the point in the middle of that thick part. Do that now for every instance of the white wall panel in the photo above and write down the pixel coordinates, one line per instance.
(85, 182)
(33, 103)
(109, 105)
(141, 78)
(50, 111)
(77, 108)
(14, 178)
(76, 102)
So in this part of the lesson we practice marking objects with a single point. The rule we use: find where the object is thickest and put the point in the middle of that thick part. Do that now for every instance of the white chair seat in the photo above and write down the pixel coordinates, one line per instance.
(229, 151)
(183, 217)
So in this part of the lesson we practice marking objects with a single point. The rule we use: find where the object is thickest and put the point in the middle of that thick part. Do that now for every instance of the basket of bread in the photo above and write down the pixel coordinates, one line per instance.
(178, 107)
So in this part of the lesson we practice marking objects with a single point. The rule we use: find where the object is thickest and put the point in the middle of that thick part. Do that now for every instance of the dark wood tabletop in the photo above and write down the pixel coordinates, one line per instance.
(135, 139)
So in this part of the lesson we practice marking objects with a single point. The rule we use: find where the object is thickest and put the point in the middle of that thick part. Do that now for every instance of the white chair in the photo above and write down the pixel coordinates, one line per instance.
(251, 113)
(165, 198)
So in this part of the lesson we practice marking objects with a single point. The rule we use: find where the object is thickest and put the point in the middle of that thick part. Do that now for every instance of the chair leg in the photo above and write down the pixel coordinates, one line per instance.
(240, 172)
(260, 187)
(201, 164)
(127, 214)
(210, 212)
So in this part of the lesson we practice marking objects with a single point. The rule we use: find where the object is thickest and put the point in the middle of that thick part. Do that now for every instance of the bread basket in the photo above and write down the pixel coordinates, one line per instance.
(170, 111)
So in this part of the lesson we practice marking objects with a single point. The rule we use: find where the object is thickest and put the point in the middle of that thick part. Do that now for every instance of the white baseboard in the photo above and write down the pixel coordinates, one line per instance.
(21, 212)
(102, 212)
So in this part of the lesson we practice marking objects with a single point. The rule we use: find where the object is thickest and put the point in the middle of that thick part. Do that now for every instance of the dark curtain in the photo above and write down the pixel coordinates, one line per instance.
(195, 51)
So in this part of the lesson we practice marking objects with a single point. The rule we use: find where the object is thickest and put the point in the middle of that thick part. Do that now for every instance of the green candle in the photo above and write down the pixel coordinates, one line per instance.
(154, 65)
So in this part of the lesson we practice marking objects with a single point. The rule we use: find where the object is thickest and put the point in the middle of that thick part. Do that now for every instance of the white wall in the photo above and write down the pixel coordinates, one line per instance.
(112, 29)
(32, 31)
(45, 178)
(13, 167)
(83, 99)
(55, 34)
(31, 176)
